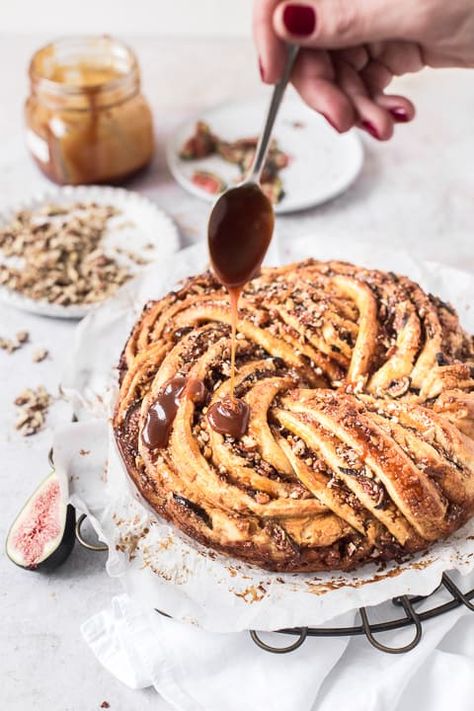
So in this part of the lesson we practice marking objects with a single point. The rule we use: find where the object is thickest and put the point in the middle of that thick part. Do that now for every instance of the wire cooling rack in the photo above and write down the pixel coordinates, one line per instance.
(411, 618)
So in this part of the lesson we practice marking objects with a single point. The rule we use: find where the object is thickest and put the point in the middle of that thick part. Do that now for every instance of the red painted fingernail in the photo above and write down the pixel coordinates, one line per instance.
(261, 69)
(399, 114)
(370, 128)
(299, 20)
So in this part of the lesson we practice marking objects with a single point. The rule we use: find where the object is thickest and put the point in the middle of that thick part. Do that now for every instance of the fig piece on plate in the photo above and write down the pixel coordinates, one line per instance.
(210, 182)
(200, 145)
(43, 534)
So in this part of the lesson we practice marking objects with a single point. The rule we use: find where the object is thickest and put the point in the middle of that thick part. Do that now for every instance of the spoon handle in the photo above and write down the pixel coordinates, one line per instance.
(264, 140)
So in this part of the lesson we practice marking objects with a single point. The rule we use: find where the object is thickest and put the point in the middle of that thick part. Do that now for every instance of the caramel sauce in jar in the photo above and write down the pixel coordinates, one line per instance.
(87, 121)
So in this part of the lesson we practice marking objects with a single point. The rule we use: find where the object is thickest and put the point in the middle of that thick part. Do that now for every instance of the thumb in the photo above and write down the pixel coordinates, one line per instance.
(333, 24)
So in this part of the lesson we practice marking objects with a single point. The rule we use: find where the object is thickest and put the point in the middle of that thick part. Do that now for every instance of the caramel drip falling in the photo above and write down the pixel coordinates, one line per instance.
(240, 230)
(234, 294)
(230, 416)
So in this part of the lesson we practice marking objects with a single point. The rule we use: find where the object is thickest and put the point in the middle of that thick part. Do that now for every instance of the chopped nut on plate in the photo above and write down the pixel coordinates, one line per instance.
(57, 254)
(133, 256)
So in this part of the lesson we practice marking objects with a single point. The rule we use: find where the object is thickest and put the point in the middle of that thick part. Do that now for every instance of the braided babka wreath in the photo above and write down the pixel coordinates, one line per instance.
(360, 441)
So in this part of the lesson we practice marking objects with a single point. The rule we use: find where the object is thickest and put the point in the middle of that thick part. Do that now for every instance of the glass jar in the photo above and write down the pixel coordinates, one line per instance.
(87, 121)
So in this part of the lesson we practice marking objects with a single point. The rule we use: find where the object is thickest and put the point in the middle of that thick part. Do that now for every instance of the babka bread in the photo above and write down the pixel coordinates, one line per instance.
(359, 444)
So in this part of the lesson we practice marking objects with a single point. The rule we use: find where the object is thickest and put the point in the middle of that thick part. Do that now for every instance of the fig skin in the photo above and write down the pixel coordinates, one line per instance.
(64, 548)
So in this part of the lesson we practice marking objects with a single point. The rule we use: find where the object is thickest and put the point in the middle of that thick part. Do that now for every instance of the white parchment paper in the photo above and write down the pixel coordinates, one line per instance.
(155, 562)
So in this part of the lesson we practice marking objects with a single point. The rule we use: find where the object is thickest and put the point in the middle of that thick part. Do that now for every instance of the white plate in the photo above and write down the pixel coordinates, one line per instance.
(323, 163)
(140, 223)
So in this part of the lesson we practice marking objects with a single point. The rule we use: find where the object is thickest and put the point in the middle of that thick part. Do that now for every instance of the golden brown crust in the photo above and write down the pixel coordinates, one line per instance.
(360, 440)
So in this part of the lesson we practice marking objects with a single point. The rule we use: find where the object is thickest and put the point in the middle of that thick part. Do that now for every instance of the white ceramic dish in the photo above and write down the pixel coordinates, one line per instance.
(140, 223)
(323, 163)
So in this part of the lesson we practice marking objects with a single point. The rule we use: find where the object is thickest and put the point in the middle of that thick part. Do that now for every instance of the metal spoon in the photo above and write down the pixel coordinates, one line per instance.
(241, 222)
(264, 140)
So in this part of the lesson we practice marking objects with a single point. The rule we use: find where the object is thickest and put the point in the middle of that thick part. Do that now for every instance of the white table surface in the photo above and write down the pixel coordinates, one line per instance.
(415, 193)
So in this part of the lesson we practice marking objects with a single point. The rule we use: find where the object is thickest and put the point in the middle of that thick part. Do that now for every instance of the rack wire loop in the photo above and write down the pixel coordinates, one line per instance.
(410, 619)
(456, 592)
(90, 546)
(303, 633)
(411, 616)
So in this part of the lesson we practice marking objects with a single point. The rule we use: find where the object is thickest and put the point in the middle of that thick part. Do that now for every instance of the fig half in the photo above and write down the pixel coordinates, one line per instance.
(43, 534)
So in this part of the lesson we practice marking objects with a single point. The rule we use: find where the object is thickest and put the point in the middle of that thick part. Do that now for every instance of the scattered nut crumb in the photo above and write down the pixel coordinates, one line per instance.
(105, 705)
(10, 345)
(33, 405)
(84, 452)
(249, 444)
(40, 354)
(62, 253)
(6, 344)
(22, 336)
(299, 447)
(351, 549)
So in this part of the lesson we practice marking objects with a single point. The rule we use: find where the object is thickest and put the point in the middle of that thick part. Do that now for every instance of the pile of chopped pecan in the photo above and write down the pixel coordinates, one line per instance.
(57, 254)
(32, 405)
(205, 143)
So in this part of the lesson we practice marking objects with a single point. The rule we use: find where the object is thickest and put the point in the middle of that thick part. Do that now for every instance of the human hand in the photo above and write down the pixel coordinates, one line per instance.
(352, 49)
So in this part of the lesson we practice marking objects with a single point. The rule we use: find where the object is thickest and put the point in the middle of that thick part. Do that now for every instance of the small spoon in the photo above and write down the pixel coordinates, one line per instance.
(241, 221)
(239, 233)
